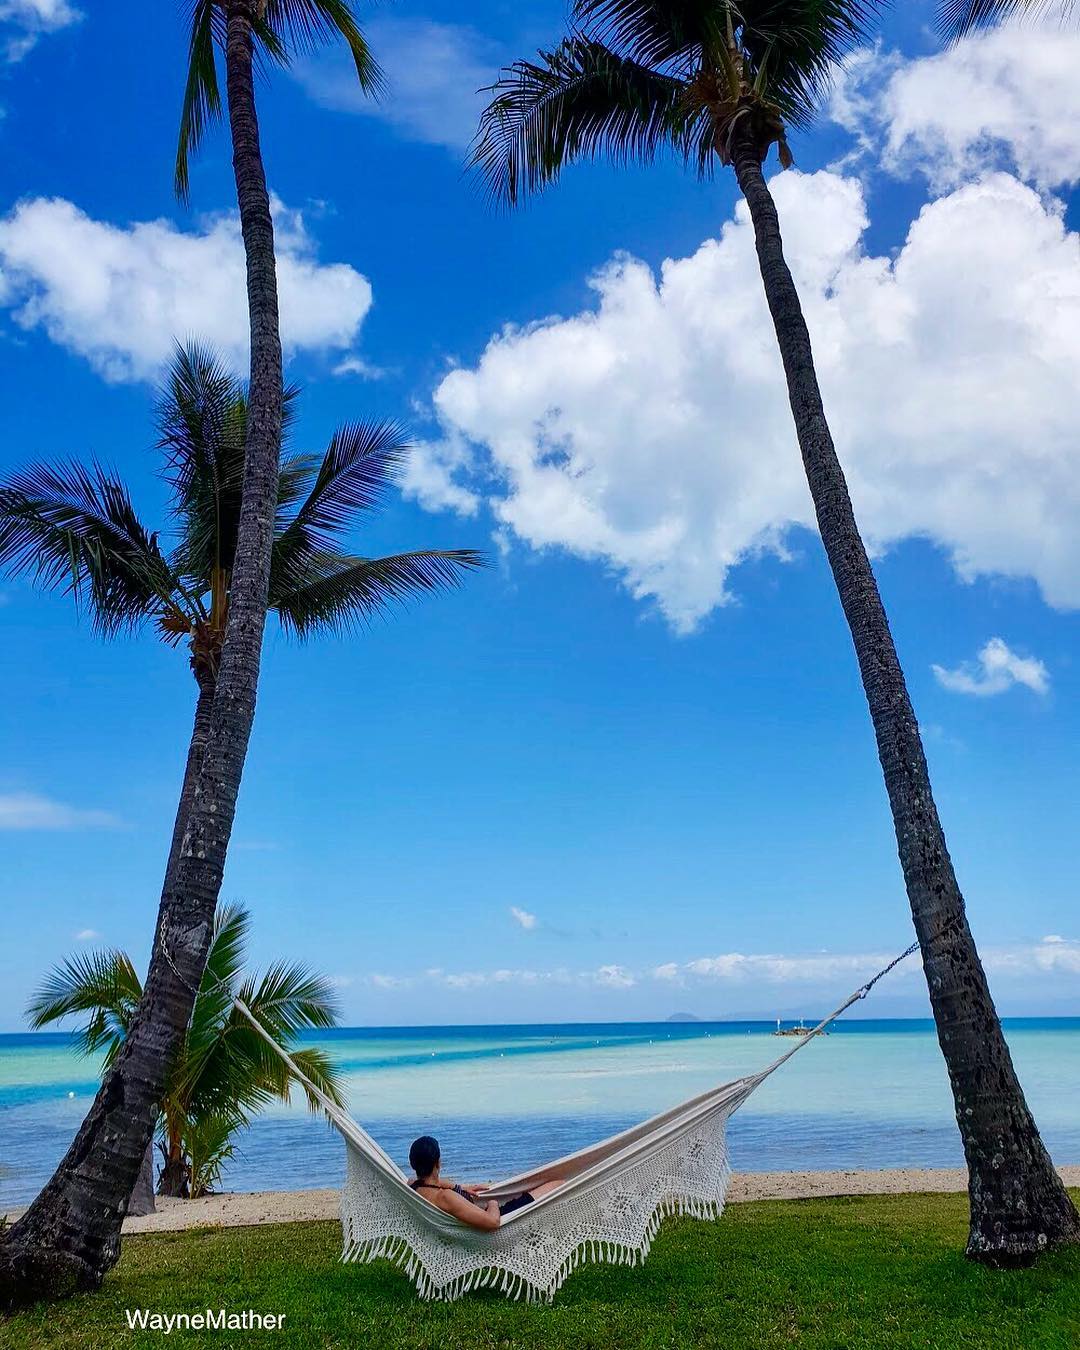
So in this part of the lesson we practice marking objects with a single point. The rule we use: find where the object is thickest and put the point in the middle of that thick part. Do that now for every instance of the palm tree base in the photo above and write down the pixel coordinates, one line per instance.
(1012, 1231)
(32, 1273)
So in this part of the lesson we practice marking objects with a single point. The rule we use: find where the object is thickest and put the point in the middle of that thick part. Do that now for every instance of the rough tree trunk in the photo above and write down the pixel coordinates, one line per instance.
(1018, 1203)
(70, 1235)
(175, 1176)
(200, 735)
(141, 1200)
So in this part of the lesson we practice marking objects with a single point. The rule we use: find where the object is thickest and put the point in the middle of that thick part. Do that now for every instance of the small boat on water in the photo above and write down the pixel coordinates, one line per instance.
(799, 1030)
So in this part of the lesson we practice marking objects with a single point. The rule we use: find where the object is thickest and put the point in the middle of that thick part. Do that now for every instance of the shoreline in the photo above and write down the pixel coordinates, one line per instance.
(242, 1209)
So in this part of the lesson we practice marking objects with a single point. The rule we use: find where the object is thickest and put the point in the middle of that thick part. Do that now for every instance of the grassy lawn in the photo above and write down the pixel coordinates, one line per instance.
(875, 1271)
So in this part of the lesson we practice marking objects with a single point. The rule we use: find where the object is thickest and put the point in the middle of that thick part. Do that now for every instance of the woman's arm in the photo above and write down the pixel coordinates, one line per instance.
(488, 1218)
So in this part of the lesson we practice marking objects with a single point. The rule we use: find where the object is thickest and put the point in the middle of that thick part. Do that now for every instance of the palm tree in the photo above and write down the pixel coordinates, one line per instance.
(225, 1072)
(74, 527)
(722, 82)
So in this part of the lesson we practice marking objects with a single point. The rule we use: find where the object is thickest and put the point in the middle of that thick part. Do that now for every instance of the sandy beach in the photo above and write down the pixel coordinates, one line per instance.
(238, 1209)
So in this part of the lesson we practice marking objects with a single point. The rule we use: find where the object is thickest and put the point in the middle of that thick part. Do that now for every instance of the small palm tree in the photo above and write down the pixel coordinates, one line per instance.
(73, 527)
(721, 82)
(225, 1071)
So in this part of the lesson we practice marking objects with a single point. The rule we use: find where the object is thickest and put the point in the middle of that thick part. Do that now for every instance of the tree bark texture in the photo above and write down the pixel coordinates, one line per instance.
(1018, 1203)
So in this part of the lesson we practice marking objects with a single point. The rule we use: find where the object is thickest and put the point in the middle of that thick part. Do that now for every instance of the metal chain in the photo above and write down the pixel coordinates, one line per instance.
(892, 964)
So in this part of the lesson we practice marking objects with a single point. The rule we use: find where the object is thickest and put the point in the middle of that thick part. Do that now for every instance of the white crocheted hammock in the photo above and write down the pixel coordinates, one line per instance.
(608, 1207)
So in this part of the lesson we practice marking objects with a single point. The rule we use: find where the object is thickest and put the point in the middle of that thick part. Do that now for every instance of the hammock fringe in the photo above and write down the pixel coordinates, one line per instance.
(398, 1250)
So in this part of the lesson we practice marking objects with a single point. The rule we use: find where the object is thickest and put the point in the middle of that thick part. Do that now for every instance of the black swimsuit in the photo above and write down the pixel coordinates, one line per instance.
(508, 1207)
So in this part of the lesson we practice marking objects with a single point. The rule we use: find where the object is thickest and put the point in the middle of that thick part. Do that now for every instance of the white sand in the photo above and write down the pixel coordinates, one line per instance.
(239, 1209)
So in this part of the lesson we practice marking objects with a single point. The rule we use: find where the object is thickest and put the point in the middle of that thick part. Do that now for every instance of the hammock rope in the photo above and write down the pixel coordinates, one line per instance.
(609, 1203)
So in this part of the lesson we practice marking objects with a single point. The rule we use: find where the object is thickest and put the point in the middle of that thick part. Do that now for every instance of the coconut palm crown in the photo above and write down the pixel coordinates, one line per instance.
(638, 76)
(280, 30)
(73, 526)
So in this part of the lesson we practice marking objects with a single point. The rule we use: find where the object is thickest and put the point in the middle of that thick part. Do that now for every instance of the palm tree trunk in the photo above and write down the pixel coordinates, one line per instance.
(70, 1235)
(200, 735)
(1018, 1203)
(175, 1174)
(141, 1201)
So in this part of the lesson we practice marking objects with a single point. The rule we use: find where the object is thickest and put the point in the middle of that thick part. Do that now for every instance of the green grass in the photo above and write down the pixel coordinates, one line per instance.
(812, 1274)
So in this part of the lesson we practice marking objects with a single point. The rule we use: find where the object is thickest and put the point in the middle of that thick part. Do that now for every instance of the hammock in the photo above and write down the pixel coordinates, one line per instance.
(612, 1198)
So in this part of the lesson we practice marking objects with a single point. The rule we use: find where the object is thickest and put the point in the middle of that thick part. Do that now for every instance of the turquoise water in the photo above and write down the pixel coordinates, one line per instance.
(871, 1094)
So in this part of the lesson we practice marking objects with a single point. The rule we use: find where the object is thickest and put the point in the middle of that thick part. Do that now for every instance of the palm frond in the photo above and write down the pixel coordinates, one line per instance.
(101, 983)
(202, 97)
(317, 1065)
(202, 425)
(580, 100)
(791, 48)
(208, 1140)
(340, 592)
(290, 998)
(293, 27)
(361, 464)
(956, 18)
(655, 33)
(74, 527)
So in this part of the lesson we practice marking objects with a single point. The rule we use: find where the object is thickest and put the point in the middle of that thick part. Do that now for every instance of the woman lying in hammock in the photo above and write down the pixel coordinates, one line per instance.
(466, 1203)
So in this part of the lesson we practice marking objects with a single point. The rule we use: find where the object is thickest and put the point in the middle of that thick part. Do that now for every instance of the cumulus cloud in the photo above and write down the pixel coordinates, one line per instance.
(31, 811)
(428, 476)
(651, 432)
(1006, 98)
(996, 669)
(735, 967)
(523, 918)
(434, 72)
(23, 22)
(120, 295)
(87, 935)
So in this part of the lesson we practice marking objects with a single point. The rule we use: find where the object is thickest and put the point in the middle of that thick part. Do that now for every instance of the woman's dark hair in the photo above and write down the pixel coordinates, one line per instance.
(424, 1155)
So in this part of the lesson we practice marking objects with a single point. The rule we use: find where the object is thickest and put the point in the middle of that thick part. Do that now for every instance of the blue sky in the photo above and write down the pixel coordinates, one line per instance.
(629, 770)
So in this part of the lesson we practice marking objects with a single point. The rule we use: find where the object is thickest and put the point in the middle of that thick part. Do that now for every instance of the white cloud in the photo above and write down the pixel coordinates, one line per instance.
(1053, 955)
(996, 669)
(835, 971)
(523, 917)
(434, 73)
(381, 981)
(1007, 98)
(23, 22)
(735, 967)
(30, 811)
(87, 935)
(428, 477)
(120, 295)
(614, 977)
(652, 433)
(356, 365)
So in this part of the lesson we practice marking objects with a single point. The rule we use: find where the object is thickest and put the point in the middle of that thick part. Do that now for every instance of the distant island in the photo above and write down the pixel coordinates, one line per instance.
(683, 1017)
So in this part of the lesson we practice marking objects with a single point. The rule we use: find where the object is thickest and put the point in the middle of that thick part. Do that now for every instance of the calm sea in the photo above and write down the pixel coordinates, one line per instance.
(500, 1099)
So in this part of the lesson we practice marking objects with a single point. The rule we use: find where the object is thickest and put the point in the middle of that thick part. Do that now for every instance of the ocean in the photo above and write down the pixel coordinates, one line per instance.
(502, 1098)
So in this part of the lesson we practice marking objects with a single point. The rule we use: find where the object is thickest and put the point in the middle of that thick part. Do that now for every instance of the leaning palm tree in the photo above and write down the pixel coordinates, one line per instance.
(225, 1072)
(73, 527)
(720, 82)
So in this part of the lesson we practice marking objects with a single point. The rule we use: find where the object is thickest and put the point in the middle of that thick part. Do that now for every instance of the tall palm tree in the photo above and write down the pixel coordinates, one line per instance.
(73, 527)
(225, 1072)
(70, 1235)
(721, 82)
